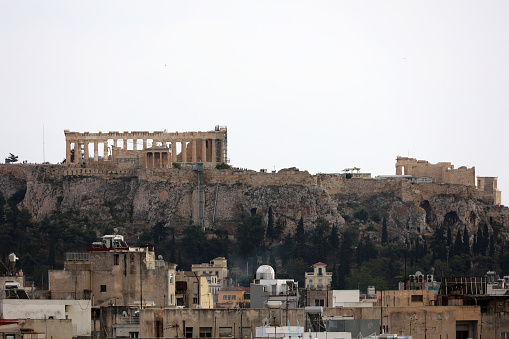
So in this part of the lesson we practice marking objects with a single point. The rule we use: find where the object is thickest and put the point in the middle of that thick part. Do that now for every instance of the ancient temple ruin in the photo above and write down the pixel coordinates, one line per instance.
(444, 172)
(144, 149)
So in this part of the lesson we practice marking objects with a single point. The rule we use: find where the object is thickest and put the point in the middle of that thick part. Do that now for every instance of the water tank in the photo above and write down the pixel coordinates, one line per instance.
(265, 272)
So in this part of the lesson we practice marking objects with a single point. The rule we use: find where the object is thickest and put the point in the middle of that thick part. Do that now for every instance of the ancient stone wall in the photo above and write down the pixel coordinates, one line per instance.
(442, 172)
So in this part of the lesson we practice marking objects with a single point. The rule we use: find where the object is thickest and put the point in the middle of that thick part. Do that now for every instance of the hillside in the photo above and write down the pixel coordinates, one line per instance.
(290, 218)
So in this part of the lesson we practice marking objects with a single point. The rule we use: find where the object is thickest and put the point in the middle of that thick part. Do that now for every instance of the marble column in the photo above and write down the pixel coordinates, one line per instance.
(96, 150)
(105, 150)
(184, 152)
(86, 149)
(193, 150)
(77, 151)
(144, 143)
(173, 151)
(67, 151)
(203, 150)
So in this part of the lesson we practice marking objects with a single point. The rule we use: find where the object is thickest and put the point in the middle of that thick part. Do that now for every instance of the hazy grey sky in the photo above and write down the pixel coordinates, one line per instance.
(319, 85)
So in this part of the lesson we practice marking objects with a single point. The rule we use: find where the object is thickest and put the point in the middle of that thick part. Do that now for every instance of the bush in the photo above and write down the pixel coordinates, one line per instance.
(362, 214)
(222, 165)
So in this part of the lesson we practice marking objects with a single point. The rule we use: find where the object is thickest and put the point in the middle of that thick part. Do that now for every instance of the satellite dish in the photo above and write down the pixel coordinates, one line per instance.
(265, 322)
(160, 257)
(198, 306)
(124, 314)
(115, 230)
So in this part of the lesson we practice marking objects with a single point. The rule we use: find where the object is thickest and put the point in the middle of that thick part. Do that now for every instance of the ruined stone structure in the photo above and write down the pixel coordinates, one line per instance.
(488, 190)
(445, 173)
(442, 172)
(148, 149)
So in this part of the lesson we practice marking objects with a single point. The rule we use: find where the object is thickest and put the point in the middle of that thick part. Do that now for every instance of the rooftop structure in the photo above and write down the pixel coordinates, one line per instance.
(267, 291)
(115, 274)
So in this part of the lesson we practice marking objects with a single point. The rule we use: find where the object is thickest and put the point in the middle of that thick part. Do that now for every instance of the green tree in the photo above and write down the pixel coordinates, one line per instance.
(222, 166)
(438, 245)
(362, 214)
(458, 244)
(11, 158)
(280, 226)
(466, 241)
(334, 238)
(385, 235)
(296, 269)
(270, 224)
(250, 234)
(300, 237)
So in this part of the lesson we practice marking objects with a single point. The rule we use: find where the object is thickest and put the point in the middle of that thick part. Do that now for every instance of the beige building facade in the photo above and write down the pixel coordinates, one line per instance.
(115, 276)
(319, 279)
(193, 291)
(145, 149)
(217, 267)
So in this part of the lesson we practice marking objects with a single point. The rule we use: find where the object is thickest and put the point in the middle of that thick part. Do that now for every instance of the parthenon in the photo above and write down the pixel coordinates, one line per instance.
(158, 149)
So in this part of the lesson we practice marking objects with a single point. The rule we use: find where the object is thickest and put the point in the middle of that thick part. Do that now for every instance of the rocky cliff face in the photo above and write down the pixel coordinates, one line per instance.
(139, 201)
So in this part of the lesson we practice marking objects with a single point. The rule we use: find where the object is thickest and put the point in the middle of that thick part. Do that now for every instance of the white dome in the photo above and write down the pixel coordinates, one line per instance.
(265, 272)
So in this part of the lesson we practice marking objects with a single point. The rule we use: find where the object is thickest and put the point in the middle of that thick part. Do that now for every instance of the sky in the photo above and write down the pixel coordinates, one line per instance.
(317, 85)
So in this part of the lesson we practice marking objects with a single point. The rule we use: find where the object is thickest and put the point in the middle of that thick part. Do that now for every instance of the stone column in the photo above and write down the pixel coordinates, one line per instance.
(77, 151)
(193, 150)
(173, 151)
(160, 159)
(184, 151)
(105, 145)
(86, 149)
(213, 148)
(153, 160)
(144, 143)
(67, 151)
(96, 150)
(203, 150)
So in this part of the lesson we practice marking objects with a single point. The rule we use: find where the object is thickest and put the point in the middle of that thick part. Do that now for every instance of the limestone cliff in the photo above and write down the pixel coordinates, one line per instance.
(134, 201)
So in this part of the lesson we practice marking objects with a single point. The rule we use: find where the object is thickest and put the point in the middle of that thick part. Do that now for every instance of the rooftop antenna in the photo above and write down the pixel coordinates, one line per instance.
(43, 151)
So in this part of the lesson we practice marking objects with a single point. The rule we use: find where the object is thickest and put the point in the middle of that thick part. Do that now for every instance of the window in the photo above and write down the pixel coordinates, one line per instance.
(189, 332)
(116, 259)
(205, 332)
(229, 297)
(320, 271)
(171, 299)
(319, 302)
(225, 332)
(217, 273)
(171, 278)
(103, 288)
(195, 300)
(134, 335)
(234, 297)
(225, 297)
(417, 297)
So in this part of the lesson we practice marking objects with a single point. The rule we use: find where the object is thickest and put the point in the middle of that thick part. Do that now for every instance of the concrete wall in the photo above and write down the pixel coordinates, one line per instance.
(345, 296)
(77, 311)
(52, 328)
